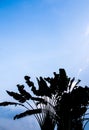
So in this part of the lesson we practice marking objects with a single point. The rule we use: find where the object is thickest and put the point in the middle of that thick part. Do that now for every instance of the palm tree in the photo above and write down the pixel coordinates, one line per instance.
(58, 101)
(40, 106)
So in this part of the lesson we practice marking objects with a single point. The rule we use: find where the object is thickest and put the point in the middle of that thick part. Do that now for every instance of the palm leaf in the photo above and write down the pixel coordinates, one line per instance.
(23, 92)
(77, 83)
(10, 103)
(28, 112)
(71, 82)
(16, 96)
(41, 100)
(29, 83)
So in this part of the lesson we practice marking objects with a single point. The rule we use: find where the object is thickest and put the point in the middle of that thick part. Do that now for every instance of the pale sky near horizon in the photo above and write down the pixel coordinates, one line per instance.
(37, 37)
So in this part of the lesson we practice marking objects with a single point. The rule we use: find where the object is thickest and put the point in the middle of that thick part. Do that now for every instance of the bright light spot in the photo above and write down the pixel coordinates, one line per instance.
(73, 84)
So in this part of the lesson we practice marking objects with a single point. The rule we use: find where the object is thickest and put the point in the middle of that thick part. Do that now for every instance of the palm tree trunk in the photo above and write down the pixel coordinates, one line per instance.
(65, 122)
(47, 127)
(48, 123)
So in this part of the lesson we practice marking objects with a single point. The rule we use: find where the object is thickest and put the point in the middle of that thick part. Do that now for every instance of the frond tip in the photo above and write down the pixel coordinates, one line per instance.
(9, 103)
(16, 96)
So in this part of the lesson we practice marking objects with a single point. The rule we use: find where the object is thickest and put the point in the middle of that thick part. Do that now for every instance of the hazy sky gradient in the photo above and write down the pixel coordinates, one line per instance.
(37, 37)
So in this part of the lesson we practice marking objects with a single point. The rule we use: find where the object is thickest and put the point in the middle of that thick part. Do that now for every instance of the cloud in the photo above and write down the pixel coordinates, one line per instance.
(7, 122)
(23, 124)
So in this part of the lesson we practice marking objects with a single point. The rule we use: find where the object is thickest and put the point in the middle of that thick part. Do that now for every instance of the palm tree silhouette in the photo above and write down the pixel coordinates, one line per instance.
(59, 100)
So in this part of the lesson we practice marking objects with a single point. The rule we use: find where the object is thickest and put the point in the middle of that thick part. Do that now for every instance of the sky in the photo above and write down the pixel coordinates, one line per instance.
(37, 37)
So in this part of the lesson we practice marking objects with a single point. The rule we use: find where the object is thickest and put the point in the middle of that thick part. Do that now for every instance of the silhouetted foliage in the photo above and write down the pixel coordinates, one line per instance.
(59, 100)
(28, 112)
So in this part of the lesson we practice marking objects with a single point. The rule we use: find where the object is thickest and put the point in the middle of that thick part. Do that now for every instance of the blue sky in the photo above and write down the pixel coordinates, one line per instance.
(37, 37)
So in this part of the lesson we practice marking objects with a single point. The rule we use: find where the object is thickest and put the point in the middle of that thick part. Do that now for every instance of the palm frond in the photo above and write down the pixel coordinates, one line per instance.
(43, 88)
(23, 92)
(41, 100)
(16, 96)
(27, 113)
(10, 103)
(28, 82)
(71, 82)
